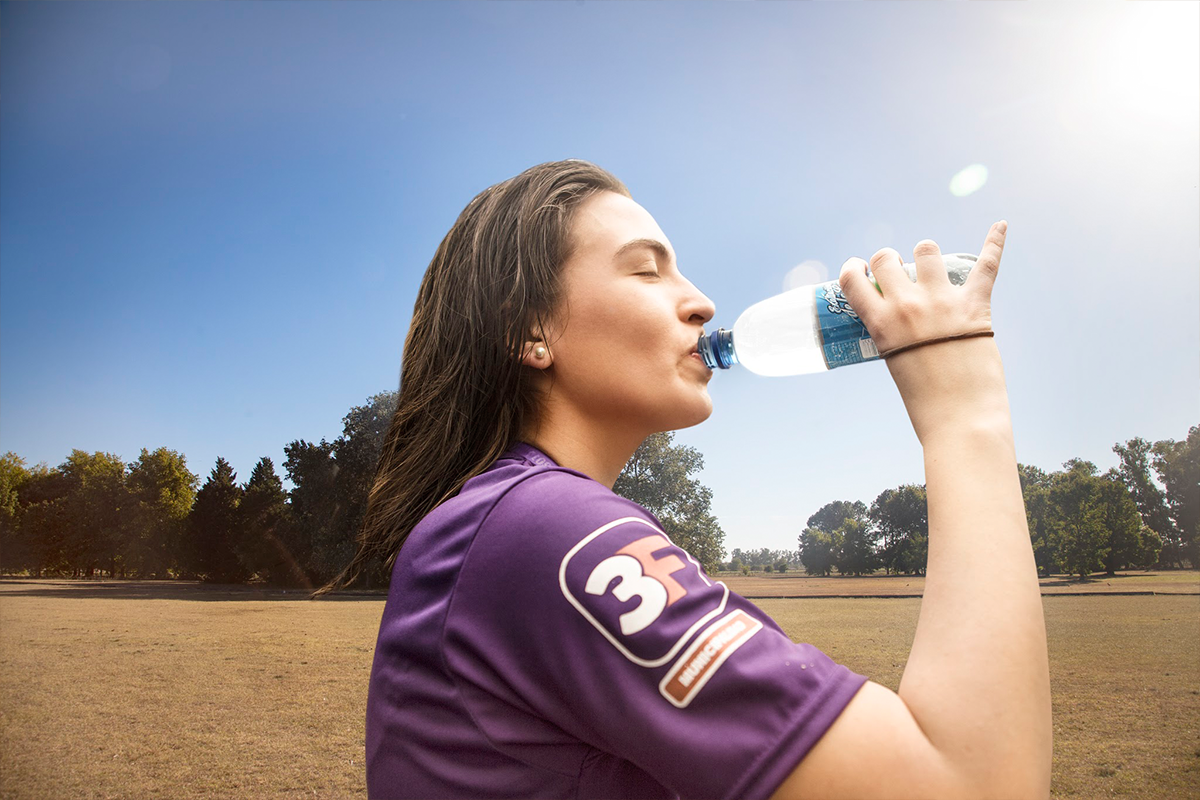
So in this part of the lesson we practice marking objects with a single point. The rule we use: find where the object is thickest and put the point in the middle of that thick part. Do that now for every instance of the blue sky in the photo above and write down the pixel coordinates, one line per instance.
(214, 216)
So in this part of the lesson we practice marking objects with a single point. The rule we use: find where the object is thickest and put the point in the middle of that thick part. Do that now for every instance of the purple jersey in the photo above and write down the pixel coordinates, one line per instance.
(543, 638)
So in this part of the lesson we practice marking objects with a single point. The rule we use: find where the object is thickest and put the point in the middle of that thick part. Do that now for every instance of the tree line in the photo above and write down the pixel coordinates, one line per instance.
(1080, 521)
(761, 560)
(94, 515)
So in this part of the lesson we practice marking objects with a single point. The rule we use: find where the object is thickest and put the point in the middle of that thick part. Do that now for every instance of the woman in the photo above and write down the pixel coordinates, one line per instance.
(543, 638)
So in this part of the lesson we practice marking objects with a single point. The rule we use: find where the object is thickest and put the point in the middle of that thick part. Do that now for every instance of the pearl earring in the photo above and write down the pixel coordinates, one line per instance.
(539, 352)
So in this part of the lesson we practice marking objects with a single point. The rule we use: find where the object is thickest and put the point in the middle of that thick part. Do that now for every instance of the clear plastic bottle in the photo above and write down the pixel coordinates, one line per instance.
(810, 329)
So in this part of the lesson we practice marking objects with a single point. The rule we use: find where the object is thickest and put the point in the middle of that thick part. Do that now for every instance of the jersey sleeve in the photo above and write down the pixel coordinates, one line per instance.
(574, 607)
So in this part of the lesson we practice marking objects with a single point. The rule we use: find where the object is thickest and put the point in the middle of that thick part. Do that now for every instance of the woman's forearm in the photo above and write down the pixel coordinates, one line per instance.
(977, 679)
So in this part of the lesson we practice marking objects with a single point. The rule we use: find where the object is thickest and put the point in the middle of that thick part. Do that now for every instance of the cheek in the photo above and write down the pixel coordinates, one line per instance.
(619, 328)
(612, 353)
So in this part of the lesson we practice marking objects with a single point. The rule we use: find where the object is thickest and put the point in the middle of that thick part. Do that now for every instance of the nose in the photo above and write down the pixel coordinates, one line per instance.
(697, 307)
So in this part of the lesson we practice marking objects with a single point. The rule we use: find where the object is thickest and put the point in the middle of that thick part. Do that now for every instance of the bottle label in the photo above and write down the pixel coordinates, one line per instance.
(844, 339)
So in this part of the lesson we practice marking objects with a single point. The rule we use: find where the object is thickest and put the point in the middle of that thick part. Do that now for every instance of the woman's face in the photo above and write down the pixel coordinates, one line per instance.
(623, 342)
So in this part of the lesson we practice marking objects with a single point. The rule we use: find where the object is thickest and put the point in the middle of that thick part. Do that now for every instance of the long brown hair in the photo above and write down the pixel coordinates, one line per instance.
(464, 395)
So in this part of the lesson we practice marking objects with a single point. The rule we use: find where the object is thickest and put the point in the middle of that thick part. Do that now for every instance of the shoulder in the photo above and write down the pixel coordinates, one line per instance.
(557, 504)
(575, 557)
(535, 519)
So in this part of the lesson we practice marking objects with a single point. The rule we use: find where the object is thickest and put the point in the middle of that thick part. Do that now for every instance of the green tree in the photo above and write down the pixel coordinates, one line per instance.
(856, 556)
(332, 481)
(817, 550)
(831, 515)
(95, 504)
(1080, 465)
(45, 528)
(161, 493)
(1077, 529)
(267, 547)
(758, 558)
(658, 478)
(214, 527)
(901, 518)
(1178, 467)
(1152, 545)
(830, 520)
(1151, 503)
(1122, 524)
(356, 453)
(317, 544)
(42, 527)
(914, 555)
(1035, 489)
(14, 556)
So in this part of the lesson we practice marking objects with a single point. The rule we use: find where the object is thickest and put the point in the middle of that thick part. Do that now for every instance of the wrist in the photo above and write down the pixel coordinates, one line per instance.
(952, 386)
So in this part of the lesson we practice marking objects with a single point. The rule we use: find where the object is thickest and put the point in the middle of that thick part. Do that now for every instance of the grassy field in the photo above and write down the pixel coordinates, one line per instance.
(177, 690)
(790, 584)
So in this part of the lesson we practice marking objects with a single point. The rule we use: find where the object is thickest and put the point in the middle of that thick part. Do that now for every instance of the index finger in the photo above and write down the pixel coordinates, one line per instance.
(983, 274)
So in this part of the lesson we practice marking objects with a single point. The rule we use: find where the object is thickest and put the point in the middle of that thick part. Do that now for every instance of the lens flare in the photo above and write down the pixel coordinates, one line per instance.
(805, 274)
(968, 180)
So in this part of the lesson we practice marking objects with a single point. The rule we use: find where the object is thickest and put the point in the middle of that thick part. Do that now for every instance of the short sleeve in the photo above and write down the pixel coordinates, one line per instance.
(574, 608)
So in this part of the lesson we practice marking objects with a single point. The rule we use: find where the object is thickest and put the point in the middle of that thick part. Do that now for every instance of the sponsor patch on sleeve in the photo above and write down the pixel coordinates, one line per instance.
(705, 656)
(642, 593)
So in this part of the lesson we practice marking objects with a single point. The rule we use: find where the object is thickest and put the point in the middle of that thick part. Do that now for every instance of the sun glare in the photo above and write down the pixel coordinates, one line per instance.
(1149, 69)
(968, 180)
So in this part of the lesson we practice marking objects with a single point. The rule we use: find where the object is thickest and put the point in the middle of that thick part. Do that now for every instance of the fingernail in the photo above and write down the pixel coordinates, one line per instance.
(1002, 226)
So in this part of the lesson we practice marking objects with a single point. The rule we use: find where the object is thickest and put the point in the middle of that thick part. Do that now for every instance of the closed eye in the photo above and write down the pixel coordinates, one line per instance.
(649, 268)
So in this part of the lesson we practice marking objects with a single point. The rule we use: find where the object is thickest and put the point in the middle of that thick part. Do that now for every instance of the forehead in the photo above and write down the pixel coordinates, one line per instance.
(606, 221)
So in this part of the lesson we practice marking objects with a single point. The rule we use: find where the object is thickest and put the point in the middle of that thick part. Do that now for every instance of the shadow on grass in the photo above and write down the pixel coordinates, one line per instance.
(87, 588)
(1096, 578)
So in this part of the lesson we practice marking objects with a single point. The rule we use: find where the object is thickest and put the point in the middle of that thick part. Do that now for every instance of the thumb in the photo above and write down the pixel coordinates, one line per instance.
(861, 292)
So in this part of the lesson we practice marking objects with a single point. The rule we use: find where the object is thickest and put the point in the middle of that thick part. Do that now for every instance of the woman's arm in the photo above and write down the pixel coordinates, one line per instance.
(972, 717)
(977, 679)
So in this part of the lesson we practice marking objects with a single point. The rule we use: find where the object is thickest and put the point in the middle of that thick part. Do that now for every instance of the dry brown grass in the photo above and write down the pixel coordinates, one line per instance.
(1124, 674)
(177, 690)
(791, 584)
(172, 698)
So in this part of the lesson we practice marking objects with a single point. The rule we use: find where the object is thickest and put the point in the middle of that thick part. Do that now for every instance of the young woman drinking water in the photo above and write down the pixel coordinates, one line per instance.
(543, 637)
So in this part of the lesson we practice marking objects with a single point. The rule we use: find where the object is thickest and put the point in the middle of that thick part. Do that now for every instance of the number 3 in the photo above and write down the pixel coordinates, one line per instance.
(633, 581)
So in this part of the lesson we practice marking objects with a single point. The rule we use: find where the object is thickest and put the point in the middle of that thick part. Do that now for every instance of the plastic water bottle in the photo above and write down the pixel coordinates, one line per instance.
(810, 329)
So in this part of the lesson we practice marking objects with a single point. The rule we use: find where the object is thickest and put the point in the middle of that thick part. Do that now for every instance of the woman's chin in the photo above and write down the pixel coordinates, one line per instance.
(694, 413)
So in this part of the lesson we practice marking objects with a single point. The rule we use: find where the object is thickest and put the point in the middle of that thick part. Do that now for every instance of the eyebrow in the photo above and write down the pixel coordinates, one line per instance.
(658, 247)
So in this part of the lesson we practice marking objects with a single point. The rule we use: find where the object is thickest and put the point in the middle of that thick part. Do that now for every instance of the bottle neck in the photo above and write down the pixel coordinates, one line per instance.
(717, 350)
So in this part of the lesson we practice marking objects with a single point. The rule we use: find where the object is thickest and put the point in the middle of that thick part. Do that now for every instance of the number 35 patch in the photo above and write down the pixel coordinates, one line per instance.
(644, 594)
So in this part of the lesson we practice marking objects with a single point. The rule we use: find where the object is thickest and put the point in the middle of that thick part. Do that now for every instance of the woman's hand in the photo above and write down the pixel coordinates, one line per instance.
(908, 312)
(948, 383)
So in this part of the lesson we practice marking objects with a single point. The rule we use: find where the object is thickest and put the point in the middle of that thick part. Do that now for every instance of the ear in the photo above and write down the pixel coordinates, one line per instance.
(537, 355)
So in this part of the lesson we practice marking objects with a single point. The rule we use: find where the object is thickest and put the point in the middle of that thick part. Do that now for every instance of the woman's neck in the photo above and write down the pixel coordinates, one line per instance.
(597, 450)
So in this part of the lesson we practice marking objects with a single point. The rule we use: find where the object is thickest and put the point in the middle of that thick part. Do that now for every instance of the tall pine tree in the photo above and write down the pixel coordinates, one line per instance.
(268, 548)
(215, 527)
